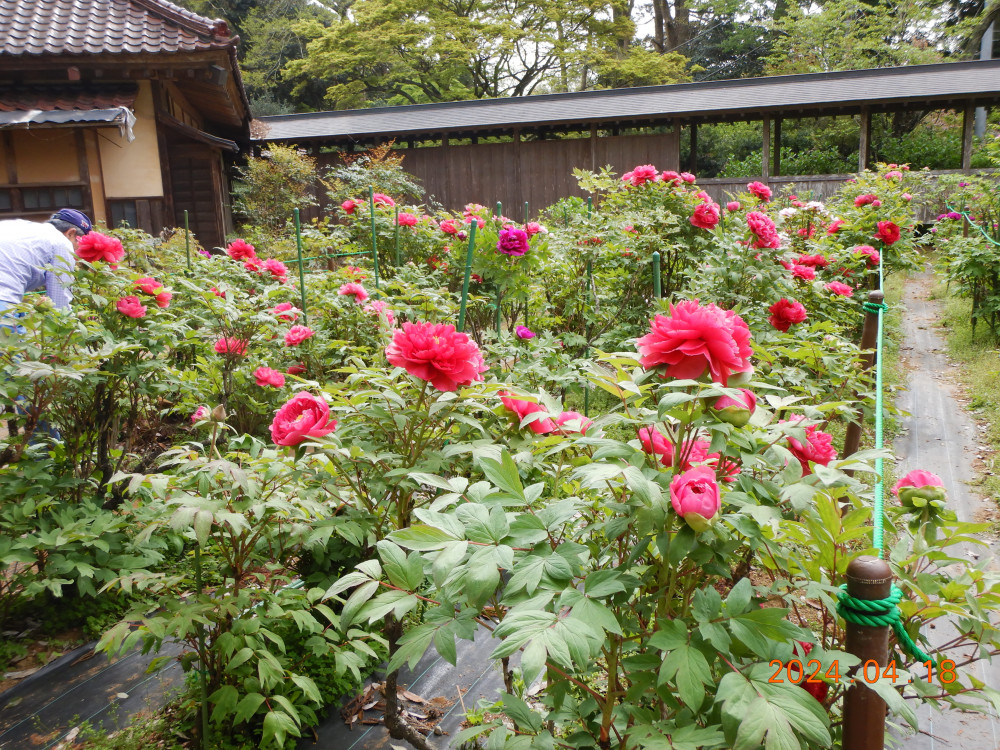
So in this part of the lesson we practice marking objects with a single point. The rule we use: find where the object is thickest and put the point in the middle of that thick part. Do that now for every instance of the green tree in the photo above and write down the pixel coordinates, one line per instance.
(272, 185)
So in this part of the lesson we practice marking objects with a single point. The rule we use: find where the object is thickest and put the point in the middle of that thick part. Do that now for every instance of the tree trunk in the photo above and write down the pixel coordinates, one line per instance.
(397, 726)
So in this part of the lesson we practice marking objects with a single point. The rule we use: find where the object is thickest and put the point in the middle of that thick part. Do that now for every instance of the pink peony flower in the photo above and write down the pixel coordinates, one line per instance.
(919, 487)
(449, 226)
(864, 200)
(733, 206)
(381, 199)
(406, 219)
(523, 408)
(818, 448)
(513, 242)
(148, 285)
(760, 190)
(641, 175)
(350, 206)
(267, 376)
(163, 298)
(217, 293)
(130, 306)
(671, 177)
(533, 228)
(906, 197)
(253, 265)
(523, 332)
(574, 421)
(304, 416)
(199, 414)
(840, 289)
(437, 353)
(813, 261)
(887, 232)
(95, 246)
(893, 175)
(764, 230)
(785, 313)
(277, 269)
(835, 226)
(284, 311)
(353, 289)
(876, 203)
(241, 250)
(297, 334)
(297, 369)
(870, 252)
(696, 339)
(694, 496)
(380, 308)
(803, 272)
(687, 177)
(706, 215)
(231, 345)
(736, 410)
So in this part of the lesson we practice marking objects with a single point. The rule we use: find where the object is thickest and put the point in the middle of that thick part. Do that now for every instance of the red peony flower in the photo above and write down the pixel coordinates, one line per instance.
(887, 232)
(870, 252)
(353, 289)
(449, 226)
(803, 272)
(148, 285)
(241, 250)
(277, 269)
(130, 306)
(95, 246)
(818, 448)
(437, 353)
(864, 200)
(381, 199)
(706, 215)
(298, 369)
(267, 376)
(350, 206)
(304, 416)
(253, 265)
(760, 190)
(217, 293)
(835, 226)
(284, 311)
(641, 175)
(163, 298)
(840, 289)
(231, 345)
(764, 230)
(297, 334)
(523, 408)
(406, 219)
(513, 242)
(813, 261)
(785, 313)
(696, 339)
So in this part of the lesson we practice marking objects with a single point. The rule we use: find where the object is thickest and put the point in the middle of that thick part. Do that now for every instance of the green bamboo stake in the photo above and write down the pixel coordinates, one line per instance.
(590, 206)
(565, 216)
(396, 237)
(586, 351)
(187, 239)
(468, 275)
(656, 275)
(371, 212)
(202, 679)
(526, 212)
(302, 275)
(499, 317)
(499, 211)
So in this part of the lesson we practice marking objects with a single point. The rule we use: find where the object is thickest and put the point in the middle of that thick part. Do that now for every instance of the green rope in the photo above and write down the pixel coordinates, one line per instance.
(976, 224)
(881, 613)
(874, 307)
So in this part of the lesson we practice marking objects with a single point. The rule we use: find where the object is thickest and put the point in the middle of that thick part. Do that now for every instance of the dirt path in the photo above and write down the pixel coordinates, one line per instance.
(942, 437)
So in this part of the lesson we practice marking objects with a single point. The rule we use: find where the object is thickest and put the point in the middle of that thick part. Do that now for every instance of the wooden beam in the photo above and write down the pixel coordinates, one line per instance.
(776, 169)
(864, 141)
(765, 156)
(968, 120)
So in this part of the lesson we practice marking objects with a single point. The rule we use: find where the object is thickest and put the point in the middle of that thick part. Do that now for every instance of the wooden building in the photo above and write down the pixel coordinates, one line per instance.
(523, 149)
(129, 110)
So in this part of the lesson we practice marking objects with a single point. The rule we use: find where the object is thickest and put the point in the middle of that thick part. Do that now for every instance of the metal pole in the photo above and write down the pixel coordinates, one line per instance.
(187, 239)
(869, 338)
(656, 275)
(526, 212)
(586, 329)
(468, 273)
(396, 236)
(202, 679)
(371, 212)
(864, 711)
(302, 276)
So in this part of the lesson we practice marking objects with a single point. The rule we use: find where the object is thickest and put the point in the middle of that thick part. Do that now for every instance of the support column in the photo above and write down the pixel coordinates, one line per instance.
(864, 142)
(593, 148)
(776, 169)
(968, 120)
(693, 156)
(765, 156)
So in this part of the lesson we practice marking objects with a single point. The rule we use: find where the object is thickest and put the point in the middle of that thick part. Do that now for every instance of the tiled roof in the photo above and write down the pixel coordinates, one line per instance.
(66, 97)
(58, 27)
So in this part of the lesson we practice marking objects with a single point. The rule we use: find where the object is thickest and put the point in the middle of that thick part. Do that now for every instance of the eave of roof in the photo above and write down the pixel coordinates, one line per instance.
(794, 95)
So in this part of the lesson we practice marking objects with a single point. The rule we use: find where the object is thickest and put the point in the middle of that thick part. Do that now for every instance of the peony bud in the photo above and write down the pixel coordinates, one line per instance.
(920, 489)
(695, 496)
(219, 414)
(736, 411)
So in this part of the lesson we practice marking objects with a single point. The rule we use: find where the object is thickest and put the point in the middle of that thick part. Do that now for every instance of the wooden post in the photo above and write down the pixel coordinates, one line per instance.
(864, 711)
(765, 155)
(864, 142)
(693, 156)
(869, 337)
(968, 120)
(776, 169)
(593, 148)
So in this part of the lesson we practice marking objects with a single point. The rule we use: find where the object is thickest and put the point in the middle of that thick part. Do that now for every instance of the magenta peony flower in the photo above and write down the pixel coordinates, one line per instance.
(694, 496)
(920, 488)
(380, 308)
(353, 289)
(148, 285)
(304, 416)
(95, 246)
(523, 408)
(350, 206)
(764, 230)
(736, 410)
(696, 339)
(574, 421)
(818, 448)
(437, 353)
(733, 206)
(131, 307)
(297, 334)
(513, 242)
(760, 190)
(523, 332)
(406, 219)
(641, 175)
(267, 376)
(163, 298)
(231, 345)
(840, 289)
(803, 272)
(381, 199)
(835, 226)
(870, 252)
(241, 250)
(284, 311)
(887, 232)
(785, 313)
(277, 269)
(706, 215)
(199, 414)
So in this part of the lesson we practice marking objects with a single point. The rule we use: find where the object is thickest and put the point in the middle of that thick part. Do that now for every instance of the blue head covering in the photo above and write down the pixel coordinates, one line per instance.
(77, 218)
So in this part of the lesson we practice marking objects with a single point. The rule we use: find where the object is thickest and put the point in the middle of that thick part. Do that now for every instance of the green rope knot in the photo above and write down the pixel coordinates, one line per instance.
(874, 307)
(881, 613)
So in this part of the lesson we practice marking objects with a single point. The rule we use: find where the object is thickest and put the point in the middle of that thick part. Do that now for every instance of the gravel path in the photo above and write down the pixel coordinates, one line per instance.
(942, 437)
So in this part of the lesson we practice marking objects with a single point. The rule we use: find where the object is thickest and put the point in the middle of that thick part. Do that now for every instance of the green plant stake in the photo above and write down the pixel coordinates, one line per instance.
(565, 216)
(656, 275)
(468, 274)
(202, 679)
(499, 211)
(187, 239)
(371, 212)
(586, 329)
(526, 212)
(499, 317)
(396, 237)
(302, 276)
(590, 207)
